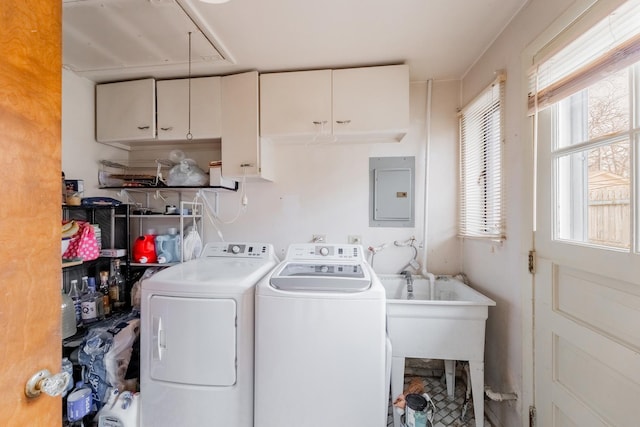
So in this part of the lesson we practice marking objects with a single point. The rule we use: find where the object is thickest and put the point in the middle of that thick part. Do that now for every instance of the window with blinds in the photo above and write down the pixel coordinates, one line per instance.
(610, 45)
(481, 178)
(586, 93)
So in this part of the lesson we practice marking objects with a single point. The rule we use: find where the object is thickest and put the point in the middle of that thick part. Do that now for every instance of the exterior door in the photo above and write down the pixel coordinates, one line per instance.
(587, 288)
(30, 112)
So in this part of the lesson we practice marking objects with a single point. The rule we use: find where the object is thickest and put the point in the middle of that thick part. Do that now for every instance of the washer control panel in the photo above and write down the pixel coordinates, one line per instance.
(325, 251)
(240, 250)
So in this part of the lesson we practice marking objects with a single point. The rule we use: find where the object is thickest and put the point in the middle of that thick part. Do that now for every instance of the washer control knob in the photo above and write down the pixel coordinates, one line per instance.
(324, 251)
(235, 249)
(324, 269)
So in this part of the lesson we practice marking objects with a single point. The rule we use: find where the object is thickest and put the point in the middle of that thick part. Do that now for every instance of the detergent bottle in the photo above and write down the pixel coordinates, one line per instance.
(121, 410)
(144, 248)
(168, 246)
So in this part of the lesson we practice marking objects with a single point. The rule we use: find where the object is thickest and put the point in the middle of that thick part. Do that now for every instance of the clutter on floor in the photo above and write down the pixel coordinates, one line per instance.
(453, 411)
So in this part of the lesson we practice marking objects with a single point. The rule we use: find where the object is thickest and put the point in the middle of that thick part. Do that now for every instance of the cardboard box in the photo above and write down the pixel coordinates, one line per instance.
(216, 179)
(113, 253)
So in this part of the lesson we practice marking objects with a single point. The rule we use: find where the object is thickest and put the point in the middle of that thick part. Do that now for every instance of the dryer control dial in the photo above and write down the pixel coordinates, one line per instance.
(235, 249)
(324, 251)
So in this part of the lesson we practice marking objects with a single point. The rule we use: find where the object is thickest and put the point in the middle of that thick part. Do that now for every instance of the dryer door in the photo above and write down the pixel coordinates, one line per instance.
(193, 340)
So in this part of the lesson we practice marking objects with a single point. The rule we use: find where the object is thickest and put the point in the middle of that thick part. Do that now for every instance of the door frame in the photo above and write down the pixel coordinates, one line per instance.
(576, 16)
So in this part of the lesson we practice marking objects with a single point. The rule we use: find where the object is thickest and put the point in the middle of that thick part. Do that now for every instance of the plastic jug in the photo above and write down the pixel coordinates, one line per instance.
(175, 243)
(144, 248)
(166, 248)
(121, 410)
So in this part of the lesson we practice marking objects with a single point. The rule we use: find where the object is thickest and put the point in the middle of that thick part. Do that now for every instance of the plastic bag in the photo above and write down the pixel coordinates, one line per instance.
(105, 357)
(186, 174)
(192, 245)
(136, 289)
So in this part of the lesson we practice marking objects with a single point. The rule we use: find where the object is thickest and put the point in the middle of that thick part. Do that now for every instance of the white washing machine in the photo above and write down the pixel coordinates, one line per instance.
(321, 343)
(197, 338)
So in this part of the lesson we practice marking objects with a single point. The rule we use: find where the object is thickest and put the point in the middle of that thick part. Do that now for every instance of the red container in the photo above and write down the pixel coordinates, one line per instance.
(144, 249)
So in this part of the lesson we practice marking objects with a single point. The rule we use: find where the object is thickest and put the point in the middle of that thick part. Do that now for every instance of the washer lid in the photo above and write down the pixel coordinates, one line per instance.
(318, 277)
(211, 276)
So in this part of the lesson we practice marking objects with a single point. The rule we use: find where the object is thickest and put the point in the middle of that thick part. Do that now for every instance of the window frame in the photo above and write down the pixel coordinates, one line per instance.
(609, 43)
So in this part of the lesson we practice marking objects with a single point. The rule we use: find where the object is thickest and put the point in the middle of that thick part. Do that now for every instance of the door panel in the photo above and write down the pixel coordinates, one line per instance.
(587, 308)
(30, 113)
(588, 366)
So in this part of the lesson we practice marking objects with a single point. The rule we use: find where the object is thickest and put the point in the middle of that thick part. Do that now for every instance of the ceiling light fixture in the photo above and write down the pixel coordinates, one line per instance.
(214, 1)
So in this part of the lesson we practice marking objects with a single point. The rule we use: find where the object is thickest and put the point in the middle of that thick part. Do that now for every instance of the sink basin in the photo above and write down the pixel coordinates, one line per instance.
(447, 290)
(444, 320)
(448, 326)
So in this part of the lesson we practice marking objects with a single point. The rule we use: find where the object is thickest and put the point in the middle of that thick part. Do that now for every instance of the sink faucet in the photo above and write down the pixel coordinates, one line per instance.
(407, 275)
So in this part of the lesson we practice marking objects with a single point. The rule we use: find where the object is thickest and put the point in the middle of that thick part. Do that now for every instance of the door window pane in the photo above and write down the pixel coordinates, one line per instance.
(592, 195)
(598, 111)
(609, 105)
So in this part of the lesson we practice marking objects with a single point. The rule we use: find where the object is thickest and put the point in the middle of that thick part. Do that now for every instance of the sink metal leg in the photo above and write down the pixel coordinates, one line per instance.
(450, 376)
(397, 384)
(477, 388)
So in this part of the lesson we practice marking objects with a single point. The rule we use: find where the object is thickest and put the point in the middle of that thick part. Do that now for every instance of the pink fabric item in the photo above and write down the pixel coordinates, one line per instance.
(83, 244)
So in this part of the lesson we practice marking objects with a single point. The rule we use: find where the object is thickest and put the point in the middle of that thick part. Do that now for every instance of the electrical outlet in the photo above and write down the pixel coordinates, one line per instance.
(319, 238)
(355, 239)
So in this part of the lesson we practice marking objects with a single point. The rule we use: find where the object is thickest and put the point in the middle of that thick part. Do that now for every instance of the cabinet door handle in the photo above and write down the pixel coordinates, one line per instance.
(324, 122)
(343, 122)
(169, 128)
(143, 127)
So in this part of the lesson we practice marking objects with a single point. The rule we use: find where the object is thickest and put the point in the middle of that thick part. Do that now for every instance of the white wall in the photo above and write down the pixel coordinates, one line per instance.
(80, 152)
(320, 189)
(324, 189)
(500, 271)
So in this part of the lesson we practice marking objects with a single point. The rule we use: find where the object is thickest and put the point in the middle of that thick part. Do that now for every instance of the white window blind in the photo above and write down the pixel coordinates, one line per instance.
(610, 45)
(481, 178)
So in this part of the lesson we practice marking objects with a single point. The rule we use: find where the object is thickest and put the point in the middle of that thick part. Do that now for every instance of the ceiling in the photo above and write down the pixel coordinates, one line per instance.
(109, 40)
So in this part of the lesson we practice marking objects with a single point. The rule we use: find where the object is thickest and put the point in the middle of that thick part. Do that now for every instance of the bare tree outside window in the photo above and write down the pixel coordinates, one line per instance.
(608, 114)
(609, 165)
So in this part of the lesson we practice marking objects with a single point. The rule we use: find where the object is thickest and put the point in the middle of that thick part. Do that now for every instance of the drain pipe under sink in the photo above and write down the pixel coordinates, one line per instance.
(427, 130)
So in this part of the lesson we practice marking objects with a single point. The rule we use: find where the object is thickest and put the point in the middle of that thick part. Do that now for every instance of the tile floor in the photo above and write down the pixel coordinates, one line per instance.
(448, 410)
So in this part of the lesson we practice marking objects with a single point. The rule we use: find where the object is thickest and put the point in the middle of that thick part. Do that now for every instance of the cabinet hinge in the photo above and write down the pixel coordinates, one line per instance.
(532, 416)
(532, 261)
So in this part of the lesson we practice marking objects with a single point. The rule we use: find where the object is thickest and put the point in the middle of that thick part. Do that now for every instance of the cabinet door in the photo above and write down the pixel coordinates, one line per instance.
(242, 153)
(173, 108)
(126, 111)
(295, 103)
(372, 100)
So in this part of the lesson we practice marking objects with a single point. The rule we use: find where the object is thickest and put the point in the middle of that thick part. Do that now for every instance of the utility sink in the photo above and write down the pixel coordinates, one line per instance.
(444, 319)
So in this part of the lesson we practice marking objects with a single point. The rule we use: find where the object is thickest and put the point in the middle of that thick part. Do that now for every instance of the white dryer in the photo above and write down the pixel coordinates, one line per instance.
(197, 338)
(321, 341)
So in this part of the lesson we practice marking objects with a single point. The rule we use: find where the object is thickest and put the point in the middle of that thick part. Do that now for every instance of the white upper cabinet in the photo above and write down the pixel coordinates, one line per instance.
(368, 104)
(295, 103)
(126, 111)
(173, 108)
(371, 101)
(244, 155)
